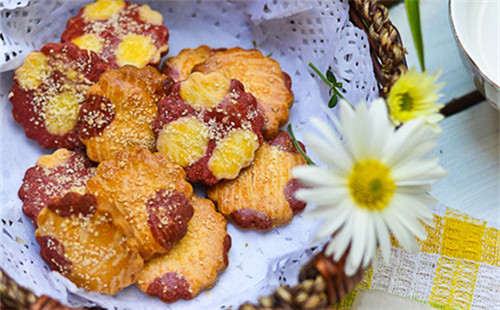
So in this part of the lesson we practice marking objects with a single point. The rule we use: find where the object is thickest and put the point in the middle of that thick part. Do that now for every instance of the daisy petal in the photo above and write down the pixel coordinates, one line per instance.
(357, 134)
(415, 206)
(326, 153)
(321, 195)
(358, 245)
(402, 143)
(416, 190)
(331, 138)
(350, 266)
(383, 237)
(315, 176)
(403, 236)
(371, 243)
(341, 240)
(419, 173)
(410, 223)
(421, 151)
(331, 225)
(333, 118)
(380, 128)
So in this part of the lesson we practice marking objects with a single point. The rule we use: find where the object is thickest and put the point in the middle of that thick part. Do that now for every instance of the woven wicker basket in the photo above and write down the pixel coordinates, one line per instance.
(322, 282)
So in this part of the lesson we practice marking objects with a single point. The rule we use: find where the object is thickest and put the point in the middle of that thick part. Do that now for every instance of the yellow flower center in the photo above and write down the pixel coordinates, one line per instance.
(405, 103)
(414, 95)
(371, 184)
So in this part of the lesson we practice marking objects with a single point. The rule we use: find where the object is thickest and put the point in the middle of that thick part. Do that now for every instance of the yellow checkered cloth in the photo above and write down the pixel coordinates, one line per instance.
(458, 266)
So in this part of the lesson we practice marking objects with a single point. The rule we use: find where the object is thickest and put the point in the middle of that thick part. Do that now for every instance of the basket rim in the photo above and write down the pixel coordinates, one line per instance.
(386, 47)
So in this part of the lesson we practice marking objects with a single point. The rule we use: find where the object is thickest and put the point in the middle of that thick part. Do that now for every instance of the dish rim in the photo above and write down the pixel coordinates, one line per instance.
(464, 50)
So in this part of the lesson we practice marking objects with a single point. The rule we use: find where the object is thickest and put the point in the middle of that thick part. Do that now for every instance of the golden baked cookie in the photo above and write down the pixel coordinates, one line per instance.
(119, 110)
(195, 262)
(120, 32)
(210, 126)
(261, 76)
(49, 89)
(83, 243)
(150, 193)
(262, 196)
(54, 176)
(179, 67)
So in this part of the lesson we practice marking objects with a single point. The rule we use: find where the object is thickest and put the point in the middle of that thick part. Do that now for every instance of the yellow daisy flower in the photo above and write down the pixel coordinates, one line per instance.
(414, 95)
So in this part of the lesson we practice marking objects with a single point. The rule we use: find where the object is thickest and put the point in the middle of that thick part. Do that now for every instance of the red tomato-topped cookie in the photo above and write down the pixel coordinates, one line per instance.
(120, 109)
(210, 126)
(261, 76)
(151, 193)
(195, 262)
(120, 32)
(263, 195)
(81, 240)
(49, 89)
(54, 176)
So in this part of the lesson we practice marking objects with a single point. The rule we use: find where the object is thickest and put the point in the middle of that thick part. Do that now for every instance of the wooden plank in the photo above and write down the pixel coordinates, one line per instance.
(469, 145)
(469, 149)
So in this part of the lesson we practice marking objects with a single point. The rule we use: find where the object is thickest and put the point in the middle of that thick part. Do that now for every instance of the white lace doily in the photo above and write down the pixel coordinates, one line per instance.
(295, 32)
(12, 4)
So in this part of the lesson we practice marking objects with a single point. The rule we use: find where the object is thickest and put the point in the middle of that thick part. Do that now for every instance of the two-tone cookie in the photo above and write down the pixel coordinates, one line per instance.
(179, 67)
(194, 263)
(150, 193)
(119, 110)
(49, 89)
(210, 126)
(54, 176)
(262, 196)
(120, 32)
(261, 76)
(82, 242)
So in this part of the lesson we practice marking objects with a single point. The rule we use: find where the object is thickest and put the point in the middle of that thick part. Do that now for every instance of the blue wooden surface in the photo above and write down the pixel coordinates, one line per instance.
(469, 145)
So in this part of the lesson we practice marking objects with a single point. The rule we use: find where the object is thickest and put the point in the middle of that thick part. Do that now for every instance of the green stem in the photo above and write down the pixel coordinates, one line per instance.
(321, 75)
(340, 94)
(298, 147)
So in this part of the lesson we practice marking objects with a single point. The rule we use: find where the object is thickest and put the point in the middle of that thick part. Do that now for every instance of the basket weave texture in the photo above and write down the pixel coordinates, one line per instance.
(387, 51)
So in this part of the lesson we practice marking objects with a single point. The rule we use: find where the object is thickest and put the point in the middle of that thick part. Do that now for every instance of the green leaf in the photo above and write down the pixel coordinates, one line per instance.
(333, 101)
(330, 76)
(299, 148)
(413, 12)
(331, 81)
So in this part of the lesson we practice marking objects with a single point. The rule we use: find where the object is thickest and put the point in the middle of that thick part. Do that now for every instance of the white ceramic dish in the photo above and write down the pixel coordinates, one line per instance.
(476, 27)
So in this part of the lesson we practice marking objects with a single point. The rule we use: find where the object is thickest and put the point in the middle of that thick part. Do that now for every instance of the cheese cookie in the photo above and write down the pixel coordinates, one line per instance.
(150, 193)
(195, 262)
(119, 110)
(120, 32)
(54, 176)
(262, 196)
(49, 89)
(261, 76)
(210, 126)
(83, 243)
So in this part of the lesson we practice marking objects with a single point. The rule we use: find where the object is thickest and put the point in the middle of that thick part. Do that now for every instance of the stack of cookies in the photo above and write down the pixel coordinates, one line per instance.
(114, 204)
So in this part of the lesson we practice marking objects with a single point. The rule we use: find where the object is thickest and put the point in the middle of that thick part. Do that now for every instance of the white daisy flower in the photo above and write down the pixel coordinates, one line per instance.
(376, 183)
